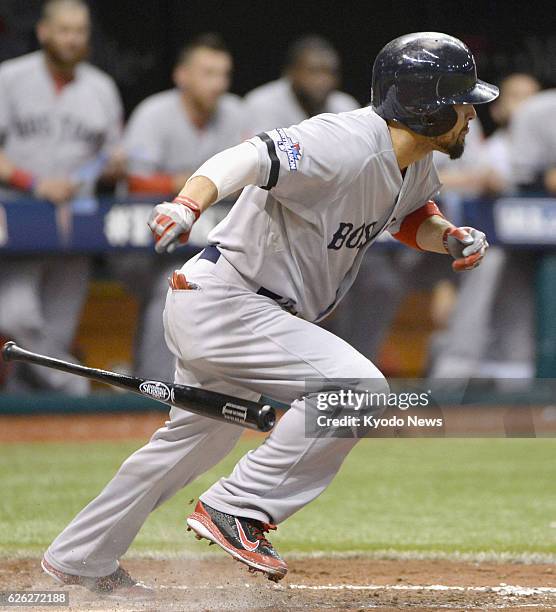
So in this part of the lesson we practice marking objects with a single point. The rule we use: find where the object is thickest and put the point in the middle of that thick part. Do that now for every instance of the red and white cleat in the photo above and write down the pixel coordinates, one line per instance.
(242, 538)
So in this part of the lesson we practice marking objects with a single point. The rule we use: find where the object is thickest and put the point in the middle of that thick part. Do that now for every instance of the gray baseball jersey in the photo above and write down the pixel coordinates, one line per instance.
(160, 137)
(57, 134)
(274, 104)
(533, 137)
(327, 188)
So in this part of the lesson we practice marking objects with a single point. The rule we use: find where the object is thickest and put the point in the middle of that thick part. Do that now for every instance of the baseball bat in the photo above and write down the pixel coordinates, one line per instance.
(249, 414)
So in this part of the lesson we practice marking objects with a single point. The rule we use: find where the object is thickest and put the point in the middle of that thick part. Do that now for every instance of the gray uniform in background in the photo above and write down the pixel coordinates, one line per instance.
(160, 138)
(326, 189)
(533, 137)
(274, 105)
(64, 134)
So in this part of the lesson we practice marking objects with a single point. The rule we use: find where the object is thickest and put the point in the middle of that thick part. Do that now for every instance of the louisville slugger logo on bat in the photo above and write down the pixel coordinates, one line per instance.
(155, 389)
(246, 413)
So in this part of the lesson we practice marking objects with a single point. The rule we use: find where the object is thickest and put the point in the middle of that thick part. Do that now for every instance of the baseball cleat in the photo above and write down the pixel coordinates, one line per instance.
(242, 538)
(118, 585)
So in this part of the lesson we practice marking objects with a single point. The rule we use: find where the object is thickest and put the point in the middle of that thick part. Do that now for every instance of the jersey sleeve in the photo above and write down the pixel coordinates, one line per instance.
(143, 141)
(308, 165)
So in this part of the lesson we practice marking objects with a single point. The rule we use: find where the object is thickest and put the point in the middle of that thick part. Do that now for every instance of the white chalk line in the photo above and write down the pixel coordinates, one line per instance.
(507, 590)
(501, 590)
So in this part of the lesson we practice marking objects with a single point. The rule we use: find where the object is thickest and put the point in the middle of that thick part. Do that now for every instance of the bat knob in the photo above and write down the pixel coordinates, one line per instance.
(7, 350)
(266, 418)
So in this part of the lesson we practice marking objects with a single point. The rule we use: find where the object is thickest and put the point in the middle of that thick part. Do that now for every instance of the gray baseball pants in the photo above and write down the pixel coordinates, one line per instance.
(225, 338)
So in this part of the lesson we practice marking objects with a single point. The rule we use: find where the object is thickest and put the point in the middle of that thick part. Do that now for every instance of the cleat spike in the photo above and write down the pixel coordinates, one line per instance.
(198, 537)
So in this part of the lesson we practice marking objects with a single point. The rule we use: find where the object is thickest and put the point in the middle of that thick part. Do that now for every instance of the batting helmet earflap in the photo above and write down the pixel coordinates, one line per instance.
(418, 77)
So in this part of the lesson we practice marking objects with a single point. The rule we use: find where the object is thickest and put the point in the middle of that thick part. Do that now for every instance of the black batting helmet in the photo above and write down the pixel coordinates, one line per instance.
(418, 77)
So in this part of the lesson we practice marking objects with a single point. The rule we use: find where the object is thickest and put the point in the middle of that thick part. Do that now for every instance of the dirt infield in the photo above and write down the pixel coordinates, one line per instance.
(315, 583)
(496, 421)
(79, 427)
(214, 582)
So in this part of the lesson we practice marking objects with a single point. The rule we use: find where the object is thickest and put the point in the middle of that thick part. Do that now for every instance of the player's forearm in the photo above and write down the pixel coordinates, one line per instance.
(424, 229)
(428, 230)
(6, 168)
(550, 180)
(223, 174)
(13, 176)
(201, 190)
(430, 235)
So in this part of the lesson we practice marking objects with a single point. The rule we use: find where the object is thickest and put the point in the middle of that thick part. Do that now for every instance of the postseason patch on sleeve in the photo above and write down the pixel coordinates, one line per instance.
(290, 147)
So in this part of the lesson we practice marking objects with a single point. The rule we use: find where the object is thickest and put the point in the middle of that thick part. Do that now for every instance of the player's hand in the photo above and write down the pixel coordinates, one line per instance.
(171, 223)
(56, 190)
(466, 245)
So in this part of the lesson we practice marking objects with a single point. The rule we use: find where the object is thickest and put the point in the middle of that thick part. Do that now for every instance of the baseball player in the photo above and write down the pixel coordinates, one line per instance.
(60, 119)
(239, 316)
(533, 129)
(168, 136)
(307, 88)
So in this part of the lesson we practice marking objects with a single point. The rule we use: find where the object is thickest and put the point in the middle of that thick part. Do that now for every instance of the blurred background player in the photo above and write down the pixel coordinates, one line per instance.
(169, 135)
(489, 335)
(496, 154)
(308, 87)
(60, 121)
(533, 142)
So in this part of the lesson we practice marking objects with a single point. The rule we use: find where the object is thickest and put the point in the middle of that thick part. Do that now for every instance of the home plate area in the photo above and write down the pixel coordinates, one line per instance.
(342, 583)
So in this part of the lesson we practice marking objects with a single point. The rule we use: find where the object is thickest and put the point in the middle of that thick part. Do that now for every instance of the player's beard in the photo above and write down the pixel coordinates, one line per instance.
(63, 61)
(454, 149)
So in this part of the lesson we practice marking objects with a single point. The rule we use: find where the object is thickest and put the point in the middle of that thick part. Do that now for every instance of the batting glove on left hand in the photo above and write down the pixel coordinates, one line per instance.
(466, 245)
(171, 223)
